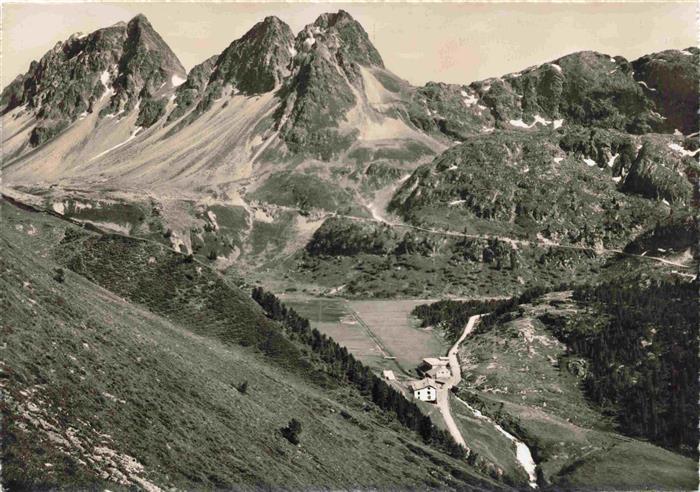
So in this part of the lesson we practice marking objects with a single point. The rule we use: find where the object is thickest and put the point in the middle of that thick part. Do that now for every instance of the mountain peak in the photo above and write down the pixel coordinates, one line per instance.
(259, 60)
(343, 36)
(330, 19)
(139, 19)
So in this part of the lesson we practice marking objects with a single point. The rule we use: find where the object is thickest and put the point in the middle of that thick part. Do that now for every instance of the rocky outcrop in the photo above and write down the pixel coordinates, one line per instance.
(658, 173)
(325, 85)
(189, 93)
(126, 62)
(449, 109)
(343, 237)
(670, 79)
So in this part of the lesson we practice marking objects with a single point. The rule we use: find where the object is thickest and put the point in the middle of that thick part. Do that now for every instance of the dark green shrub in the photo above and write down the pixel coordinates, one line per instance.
(292, 431)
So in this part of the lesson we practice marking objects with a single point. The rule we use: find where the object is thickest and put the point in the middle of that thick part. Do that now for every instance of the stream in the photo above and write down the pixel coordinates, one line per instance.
(522, 452)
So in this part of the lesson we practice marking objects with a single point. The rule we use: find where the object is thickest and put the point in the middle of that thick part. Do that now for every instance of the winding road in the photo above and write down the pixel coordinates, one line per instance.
(443, 393)
(523, 454)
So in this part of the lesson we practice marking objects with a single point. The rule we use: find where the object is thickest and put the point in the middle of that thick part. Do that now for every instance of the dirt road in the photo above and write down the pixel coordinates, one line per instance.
(443, 394)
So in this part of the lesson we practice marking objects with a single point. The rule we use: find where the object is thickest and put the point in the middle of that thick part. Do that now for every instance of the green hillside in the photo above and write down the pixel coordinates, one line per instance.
(101, 391)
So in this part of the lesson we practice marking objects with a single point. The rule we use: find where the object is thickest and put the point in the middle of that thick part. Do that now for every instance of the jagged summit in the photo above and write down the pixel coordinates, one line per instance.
(327, 93)
(255, 63)
(344, 39)
(258, 61)
(108, 70)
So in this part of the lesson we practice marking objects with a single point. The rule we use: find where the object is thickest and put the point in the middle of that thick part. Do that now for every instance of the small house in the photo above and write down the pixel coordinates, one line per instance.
(424, 390)
(435, 367)
(439, 373)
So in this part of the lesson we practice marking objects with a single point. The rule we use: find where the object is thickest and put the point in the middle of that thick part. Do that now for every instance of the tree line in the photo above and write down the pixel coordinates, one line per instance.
(342, 366)
(452, 316)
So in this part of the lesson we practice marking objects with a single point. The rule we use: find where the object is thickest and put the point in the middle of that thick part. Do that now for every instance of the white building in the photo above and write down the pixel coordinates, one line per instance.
(424, 390)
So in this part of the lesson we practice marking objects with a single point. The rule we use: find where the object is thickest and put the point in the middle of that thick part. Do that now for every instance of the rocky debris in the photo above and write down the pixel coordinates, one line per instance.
(86, 446)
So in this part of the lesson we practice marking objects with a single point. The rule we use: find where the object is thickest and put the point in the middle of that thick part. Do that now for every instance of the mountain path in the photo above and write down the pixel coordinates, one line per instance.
(543, 243)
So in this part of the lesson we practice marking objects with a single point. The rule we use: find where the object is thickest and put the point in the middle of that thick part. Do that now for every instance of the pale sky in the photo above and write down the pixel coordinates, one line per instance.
(447, 42)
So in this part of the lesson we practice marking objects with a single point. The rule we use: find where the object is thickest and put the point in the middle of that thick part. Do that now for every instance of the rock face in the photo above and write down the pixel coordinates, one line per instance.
(126, 62)
(325, 85)
(659, 174)
(585, 88)
(146, 64)
(671, 80)
(189, 93)
(259, 61)
(256, 63)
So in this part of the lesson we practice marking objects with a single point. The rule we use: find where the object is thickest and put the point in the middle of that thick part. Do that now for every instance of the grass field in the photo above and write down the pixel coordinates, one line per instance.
(391, 322)
(381, 333)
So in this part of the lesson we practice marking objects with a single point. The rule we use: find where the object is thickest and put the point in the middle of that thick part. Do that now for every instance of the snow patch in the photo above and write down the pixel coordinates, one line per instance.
(456, 202)
(644, 84)
(469, 100)
(521, 124)
(557, 160)
(617, 179)
(59, 208)
(590, 162)
(557, 123)
(611, 161)
(292, 52)
(677, 133)
(556, 67)
(133, 136)
(686, 53)
(177, 81)
(104, 78)
(212, 219)
(677, 148)
(309, 42)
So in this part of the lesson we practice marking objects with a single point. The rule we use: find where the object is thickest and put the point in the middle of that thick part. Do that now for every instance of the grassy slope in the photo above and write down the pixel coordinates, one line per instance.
(93, 381)
(517, 372)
